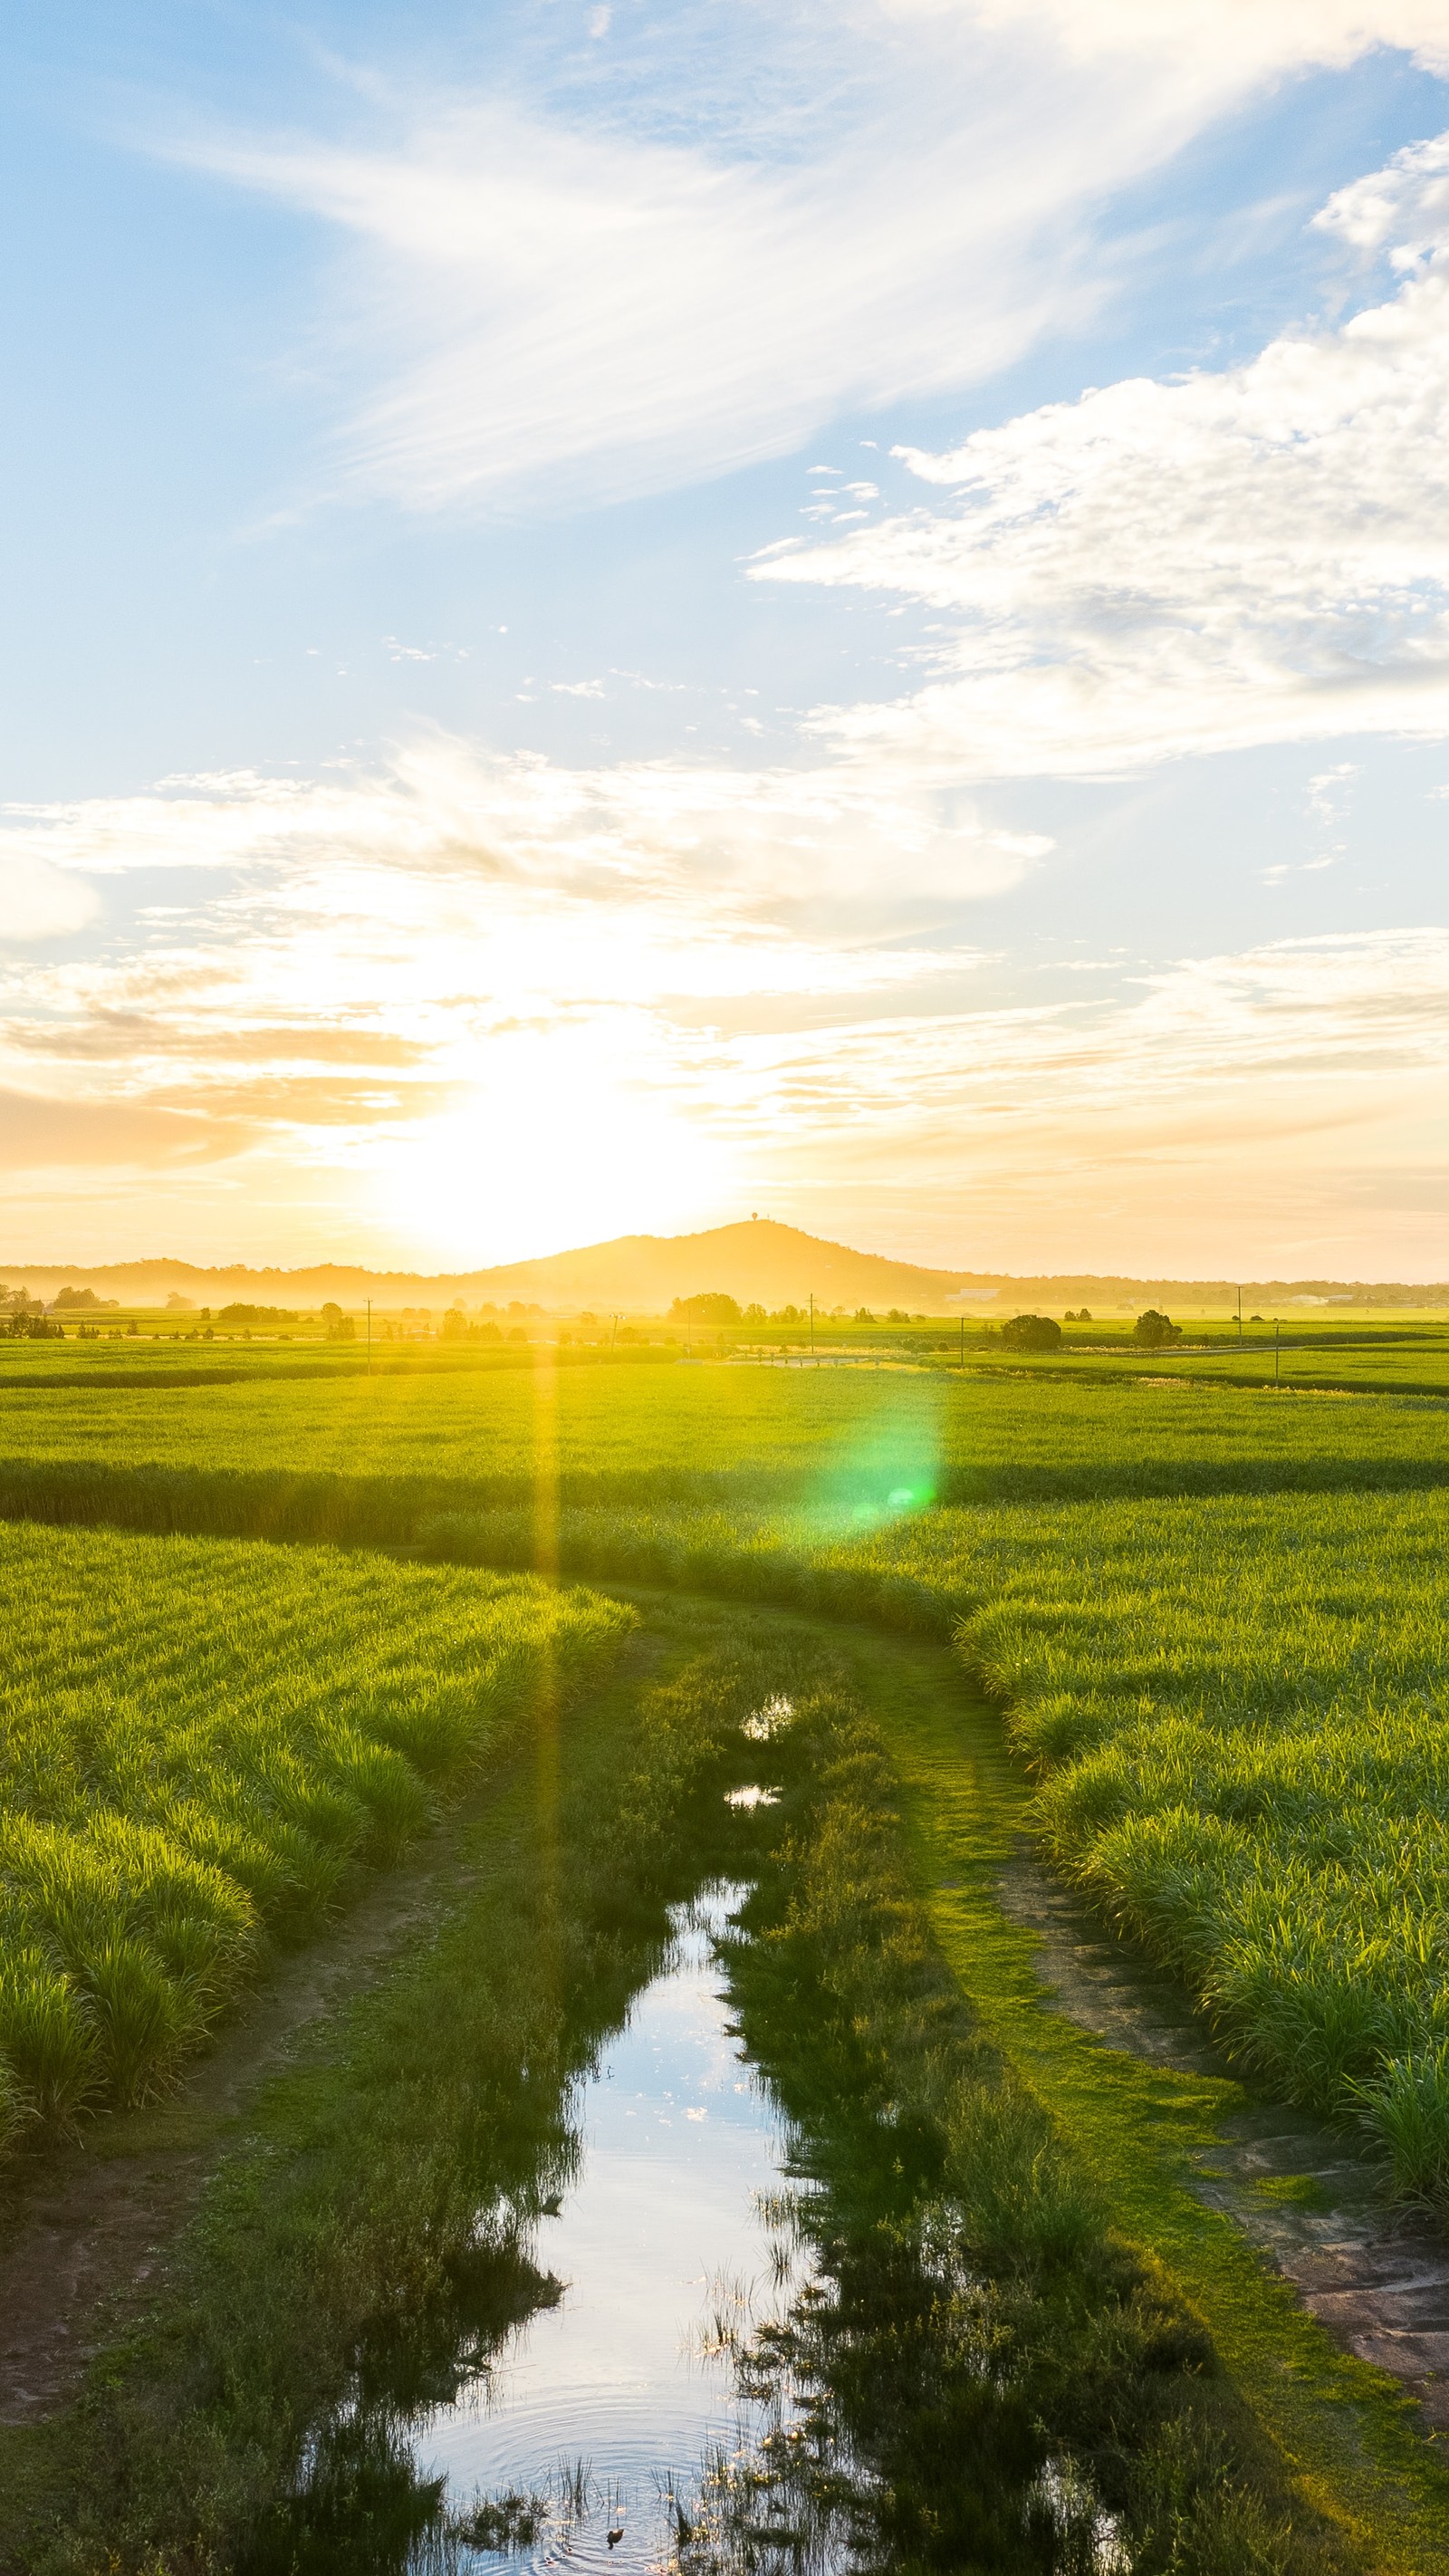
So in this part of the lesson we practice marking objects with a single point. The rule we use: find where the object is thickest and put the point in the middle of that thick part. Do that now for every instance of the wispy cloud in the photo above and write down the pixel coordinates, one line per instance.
(1164, 568)
(696, 261)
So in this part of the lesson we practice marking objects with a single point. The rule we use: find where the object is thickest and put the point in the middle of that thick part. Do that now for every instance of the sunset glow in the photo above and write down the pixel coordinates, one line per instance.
(852, 616)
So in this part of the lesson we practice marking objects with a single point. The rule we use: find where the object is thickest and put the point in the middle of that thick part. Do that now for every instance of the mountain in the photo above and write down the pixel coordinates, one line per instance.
(757, 1262)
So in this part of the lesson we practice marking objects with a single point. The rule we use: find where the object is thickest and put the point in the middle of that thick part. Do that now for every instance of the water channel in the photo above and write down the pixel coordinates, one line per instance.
(607, 2404)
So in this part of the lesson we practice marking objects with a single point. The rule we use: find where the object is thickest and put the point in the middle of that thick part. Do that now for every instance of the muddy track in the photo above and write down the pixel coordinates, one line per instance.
(1302, 2192)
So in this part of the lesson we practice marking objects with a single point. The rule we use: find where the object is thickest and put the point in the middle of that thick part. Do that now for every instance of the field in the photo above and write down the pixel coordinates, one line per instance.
(200, 1743)
(1214, 1618)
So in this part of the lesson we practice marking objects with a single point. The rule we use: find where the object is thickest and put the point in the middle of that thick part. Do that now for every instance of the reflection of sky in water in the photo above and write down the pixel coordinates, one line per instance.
(677, 2141)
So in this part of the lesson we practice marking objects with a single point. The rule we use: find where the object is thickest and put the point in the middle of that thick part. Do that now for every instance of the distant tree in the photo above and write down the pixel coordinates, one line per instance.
(176, 1305)
(81, 1301)
(788, 1315)
(241, 1313)
(455, 1325)
(755, 1314)
(863, 1315)
(896, 1316)
(711, 1307)
(1031, 1333)
(1154, 1331)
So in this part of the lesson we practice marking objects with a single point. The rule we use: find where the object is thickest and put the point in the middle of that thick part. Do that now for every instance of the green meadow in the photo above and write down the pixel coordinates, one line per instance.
(265, 1633)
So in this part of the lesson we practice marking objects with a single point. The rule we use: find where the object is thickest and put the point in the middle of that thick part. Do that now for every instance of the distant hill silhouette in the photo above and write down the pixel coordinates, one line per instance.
(758, 1261)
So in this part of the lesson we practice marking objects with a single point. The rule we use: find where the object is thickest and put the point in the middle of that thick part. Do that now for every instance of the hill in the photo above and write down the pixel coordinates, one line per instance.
(758, 1261)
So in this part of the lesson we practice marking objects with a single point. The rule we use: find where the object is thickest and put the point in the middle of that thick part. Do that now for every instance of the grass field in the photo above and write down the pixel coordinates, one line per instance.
(1237, 1714)
(1215, 1619)
(368, 1458)
(198, 1743)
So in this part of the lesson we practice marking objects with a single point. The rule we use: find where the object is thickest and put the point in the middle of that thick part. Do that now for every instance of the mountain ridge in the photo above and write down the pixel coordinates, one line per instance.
(757, 1260)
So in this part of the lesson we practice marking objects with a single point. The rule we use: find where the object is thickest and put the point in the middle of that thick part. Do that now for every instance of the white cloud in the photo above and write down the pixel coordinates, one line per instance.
(478, 1006)
(1157, 569)
(739, 848)
(39, 901)
(1228, 40)
(892, 200)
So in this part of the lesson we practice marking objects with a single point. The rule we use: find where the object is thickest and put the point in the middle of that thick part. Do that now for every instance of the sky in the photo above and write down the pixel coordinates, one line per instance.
(617, 615)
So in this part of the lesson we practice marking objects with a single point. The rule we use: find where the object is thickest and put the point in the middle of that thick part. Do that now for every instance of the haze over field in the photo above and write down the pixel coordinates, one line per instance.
(620, 615)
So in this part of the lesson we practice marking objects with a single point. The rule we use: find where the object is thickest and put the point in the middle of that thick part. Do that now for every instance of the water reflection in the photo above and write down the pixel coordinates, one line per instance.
(569, 2445)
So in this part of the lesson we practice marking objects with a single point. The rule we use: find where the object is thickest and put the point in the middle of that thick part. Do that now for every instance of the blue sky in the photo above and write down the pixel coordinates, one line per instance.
(619, 614)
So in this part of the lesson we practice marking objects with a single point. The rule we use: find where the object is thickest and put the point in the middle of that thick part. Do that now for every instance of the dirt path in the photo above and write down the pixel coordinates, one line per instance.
(1307, 2199)
(1332, 2319)
(84, 2220)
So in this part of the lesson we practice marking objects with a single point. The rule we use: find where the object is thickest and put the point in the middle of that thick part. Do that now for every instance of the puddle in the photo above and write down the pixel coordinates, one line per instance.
(609, 2401)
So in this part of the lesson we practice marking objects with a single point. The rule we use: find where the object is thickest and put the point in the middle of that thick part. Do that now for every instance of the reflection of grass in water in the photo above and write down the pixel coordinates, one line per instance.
(520, 2517)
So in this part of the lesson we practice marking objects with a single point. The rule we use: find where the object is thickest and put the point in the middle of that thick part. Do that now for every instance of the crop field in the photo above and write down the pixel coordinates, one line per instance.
(1215, 1620)
(380, 1452)
(198, 1743)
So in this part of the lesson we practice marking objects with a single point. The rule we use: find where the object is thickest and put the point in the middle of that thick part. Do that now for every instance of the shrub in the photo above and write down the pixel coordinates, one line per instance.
(1031, 1333)
(1154, 1331)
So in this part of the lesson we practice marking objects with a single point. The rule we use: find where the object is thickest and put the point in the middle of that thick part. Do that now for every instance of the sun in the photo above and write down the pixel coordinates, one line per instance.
(554, 1147)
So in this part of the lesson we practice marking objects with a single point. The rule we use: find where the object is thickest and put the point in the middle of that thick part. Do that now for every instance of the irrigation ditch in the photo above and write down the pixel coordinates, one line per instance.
(1049, 2271)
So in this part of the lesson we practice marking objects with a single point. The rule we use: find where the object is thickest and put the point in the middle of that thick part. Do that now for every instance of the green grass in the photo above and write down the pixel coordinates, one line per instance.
(1236, 1714)
(1348, 2439)
(368, 1459)
(365, 2241)
(1218, 1636)
(200, 1744)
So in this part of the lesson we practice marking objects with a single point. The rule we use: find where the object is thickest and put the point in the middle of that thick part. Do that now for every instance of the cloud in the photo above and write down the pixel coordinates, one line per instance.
(1255, 556)
(620, 284)
(1228, 41)
(39, 901)
(514, 1006)
(740, 849)
(38, 1134)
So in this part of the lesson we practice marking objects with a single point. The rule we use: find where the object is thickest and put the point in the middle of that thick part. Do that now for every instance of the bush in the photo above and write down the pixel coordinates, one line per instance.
(712, 1308)
(1155, 1331)
(1031, 1333)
